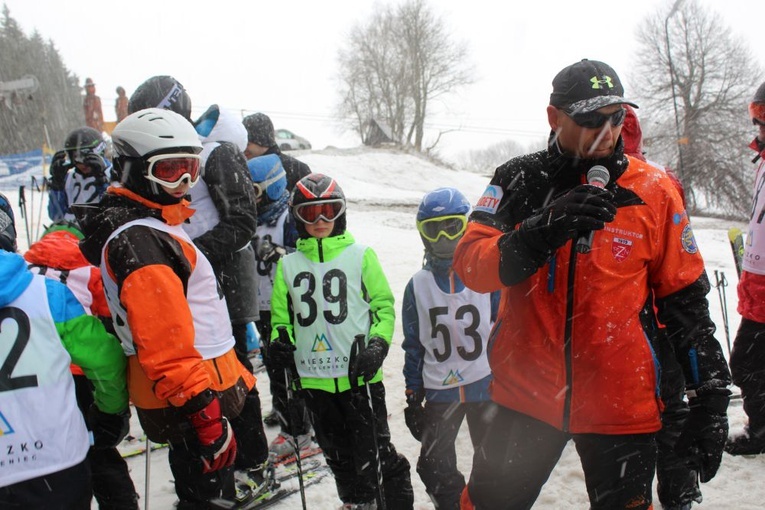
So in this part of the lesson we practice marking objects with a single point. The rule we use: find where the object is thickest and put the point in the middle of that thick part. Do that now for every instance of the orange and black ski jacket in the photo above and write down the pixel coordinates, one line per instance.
(571, 343)
(152, 269)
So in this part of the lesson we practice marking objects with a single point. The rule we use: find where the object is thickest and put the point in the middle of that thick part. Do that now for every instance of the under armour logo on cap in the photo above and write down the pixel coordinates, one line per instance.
(586, 86)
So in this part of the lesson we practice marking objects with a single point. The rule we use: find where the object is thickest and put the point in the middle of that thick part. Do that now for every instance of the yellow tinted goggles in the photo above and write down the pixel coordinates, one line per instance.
(450, 227)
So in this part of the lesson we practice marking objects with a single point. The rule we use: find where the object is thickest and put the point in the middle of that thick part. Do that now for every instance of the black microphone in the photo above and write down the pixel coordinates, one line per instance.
(596, 176)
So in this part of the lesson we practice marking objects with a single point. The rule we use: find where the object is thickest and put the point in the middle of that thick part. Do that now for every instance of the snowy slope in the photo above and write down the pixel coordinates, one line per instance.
(383, 190)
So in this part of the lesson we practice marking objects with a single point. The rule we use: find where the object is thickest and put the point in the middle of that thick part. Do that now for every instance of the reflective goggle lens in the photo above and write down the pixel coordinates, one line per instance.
(757, 112)
(450, 227)
(327, 210)
(172, 169)
(595, 120)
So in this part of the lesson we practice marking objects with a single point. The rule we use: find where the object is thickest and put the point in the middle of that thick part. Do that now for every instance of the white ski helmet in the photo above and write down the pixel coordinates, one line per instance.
(154, 131)
(147, 133)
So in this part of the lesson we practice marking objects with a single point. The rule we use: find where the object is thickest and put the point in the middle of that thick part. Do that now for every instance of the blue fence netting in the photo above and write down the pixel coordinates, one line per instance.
(18, 169)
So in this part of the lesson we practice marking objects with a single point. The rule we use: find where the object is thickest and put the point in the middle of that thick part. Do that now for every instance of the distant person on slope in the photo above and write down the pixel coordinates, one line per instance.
(261, 140)
(91, 104)
(747, 360)
(121, 105)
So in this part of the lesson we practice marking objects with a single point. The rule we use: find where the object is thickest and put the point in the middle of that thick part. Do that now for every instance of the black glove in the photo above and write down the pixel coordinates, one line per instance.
(369, 361)
(58, 169)
(108, 429)
(701, 443)
(582, 209)
(97, 165)
(268, 252)
(280, 355)
(414, 414)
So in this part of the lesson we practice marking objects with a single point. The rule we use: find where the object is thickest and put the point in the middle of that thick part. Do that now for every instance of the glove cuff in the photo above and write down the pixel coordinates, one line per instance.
(382, 344)
(415, 397)
(198, 402)
(712, 398)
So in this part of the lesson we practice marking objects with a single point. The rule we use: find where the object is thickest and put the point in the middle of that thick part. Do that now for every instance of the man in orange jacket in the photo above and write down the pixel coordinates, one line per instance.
(570, 351)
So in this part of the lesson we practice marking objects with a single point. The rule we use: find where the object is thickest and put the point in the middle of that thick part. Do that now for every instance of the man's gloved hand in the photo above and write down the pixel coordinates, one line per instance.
(218, 445)
(414, 414)
(108, 429)
(582, 209)
(280, 355)
(58, 169)
(369, 361)
(701, 443)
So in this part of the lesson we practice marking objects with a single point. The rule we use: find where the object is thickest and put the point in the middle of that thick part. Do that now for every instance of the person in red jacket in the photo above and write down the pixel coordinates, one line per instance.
(747, 359)
(570, 352)
(677, 484)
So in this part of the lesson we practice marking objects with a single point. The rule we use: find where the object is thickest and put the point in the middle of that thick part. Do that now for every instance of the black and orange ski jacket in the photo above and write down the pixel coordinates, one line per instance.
(571, 343)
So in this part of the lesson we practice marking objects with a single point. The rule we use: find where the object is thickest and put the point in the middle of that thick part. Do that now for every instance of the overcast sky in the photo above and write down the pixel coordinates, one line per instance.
(279, 56)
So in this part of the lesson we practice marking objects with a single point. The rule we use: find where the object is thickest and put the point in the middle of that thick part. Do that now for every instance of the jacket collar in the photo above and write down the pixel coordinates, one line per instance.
(174, 214)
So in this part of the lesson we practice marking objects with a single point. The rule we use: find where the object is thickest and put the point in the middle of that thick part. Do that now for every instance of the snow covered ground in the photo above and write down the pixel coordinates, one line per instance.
(383, 191)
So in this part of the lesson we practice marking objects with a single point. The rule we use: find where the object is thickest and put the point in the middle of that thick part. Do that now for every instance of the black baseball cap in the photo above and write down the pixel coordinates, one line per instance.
(586, 86)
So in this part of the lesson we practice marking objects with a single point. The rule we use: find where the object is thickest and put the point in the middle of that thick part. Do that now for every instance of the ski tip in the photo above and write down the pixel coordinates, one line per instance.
(734, 233)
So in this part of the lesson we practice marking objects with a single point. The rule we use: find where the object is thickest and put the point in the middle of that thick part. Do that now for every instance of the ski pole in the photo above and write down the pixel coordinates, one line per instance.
(290, 376)
(720, 284)
(148, 475)
(23, 209)
(357, 348)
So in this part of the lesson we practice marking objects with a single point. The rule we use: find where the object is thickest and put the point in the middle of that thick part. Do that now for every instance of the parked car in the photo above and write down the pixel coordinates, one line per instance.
(289, 141)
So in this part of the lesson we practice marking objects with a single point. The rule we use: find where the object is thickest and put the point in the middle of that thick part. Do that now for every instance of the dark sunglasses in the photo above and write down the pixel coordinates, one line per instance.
(758, 122)
(595, 120)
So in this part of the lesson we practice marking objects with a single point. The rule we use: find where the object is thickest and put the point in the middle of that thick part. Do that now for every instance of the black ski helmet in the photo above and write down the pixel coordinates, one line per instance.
(84, 140)
(316, 188)
(161, 92)
(260, 130)
(759, 96)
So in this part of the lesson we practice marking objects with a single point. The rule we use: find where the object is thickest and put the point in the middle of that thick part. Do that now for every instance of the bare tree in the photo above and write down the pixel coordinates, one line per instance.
(395, 66)
(694, 80)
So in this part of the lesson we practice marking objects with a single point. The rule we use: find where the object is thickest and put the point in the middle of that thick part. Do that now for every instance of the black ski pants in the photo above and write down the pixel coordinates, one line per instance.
(69, 489)
(112, 486)
(437, 465)
(193, 486)
(343, 426)
(747, 366)
(518, 453)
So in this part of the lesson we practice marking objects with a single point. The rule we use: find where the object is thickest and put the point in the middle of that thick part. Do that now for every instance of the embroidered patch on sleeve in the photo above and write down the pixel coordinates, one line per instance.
(489, 201)
(688, 241)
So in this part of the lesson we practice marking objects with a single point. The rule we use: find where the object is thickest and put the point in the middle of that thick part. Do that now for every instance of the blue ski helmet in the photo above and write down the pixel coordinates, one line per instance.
(443, 202)
(268, 175)
(440, 237)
